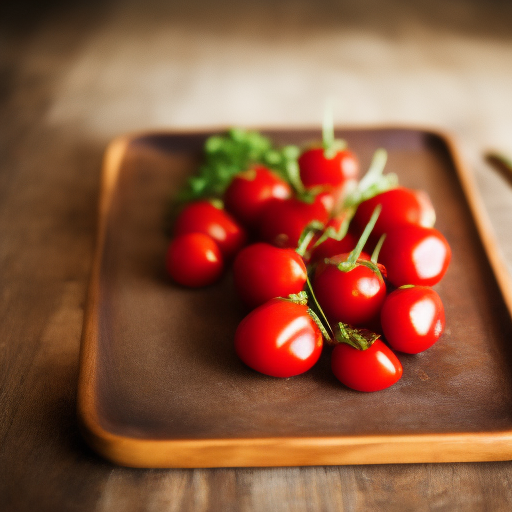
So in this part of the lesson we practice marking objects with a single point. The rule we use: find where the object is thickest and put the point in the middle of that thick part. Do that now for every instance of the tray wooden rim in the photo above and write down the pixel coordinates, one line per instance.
(278, 451)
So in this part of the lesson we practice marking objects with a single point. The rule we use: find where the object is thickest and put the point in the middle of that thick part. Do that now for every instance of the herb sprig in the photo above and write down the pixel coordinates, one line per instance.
(237, 150)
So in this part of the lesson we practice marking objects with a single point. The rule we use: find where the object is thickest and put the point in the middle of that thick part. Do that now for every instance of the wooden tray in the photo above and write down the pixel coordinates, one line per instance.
(161, 386)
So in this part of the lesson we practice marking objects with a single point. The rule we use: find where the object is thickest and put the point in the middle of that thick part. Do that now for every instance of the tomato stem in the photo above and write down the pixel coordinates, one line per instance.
(330, 144)
(374, 181)
(307, 235)
(319, 316)
(360, 339)
(341, 232)
(378, 247)
(350, 262)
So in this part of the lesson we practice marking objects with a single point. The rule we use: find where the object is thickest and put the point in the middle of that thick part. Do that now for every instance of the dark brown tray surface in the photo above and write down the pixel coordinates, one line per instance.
(165, 362)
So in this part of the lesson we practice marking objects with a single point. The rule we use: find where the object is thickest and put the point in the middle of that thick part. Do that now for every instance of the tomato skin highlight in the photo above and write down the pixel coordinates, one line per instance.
(282, 222)
(205, 217)
(279, 339)
(194, 260)
(249, 192)
(317, 170)
(400, 206)
(413, 319)
(415, 255)
(353, 297)
(368, 370)
(263, 271)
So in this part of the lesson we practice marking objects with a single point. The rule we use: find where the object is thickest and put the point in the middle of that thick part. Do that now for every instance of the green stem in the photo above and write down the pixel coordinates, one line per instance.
(308, 233)
(350, 262)
(378, 247)
(341, 232)
(328, 126)
(324, 325)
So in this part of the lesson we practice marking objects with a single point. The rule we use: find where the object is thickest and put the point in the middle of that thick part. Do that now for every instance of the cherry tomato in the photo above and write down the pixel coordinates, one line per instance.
(399, 206)
(249, 191)
(412, 318)
(194, 260)
(205, 217)
(330, 246)
(415, 255)
(318, 170)
(263, 271)
(279, 339)
(354, 297)
(372, 369)
(282, 222)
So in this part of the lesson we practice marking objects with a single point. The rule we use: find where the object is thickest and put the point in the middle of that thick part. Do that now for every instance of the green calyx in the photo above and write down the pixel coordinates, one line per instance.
(360, 339)
(300, 298)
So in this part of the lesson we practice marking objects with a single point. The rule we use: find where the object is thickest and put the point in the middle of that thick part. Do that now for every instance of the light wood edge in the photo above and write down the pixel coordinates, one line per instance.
(275, 451)
(483, 222)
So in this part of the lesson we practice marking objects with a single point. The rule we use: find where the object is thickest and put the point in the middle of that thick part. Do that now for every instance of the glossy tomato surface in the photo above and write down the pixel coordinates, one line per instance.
(205, 217)
(354, 297)
(250, 191)
(194, 260)
(415, 255)
(368, 370)
(412, 318)
(262, 271)
(279, 339)
(318, 170)
(282, 222)
(400, 206)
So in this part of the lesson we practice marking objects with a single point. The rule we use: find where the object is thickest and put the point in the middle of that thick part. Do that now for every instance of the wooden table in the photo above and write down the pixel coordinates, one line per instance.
(74, 77)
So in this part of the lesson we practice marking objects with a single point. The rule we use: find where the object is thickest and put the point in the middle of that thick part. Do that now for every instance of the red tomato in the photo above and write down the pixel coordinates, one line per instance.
(282, 222)
(415, 255)
(194, 260)
(249, 191)
(412, 319)
(399, 206)
(372, 369)
(318, 170)
(354, 297)
(263, 271)
(205, 217)
(279, 339)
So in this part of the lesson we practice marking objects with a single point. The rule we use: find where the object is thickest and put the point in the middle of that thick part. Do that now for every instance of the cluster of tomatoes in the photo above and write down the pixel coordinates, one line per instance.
(336, 261)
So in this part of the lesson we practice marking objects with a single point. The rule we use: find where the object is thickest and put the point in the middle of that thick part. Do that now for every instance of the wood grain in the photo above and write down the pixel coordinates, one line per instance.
(59, 106)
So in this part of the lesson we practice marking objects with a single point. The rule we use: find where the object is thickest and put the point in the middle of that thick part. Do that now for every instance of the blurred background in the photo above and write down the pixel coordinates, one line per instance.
(83, 72)
(114, 66)
(73, 75)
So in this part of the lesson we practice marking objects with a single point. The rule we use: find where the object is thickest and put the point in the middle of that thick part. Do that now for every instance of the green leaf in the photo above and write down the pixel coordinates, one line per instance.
(235, 151)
